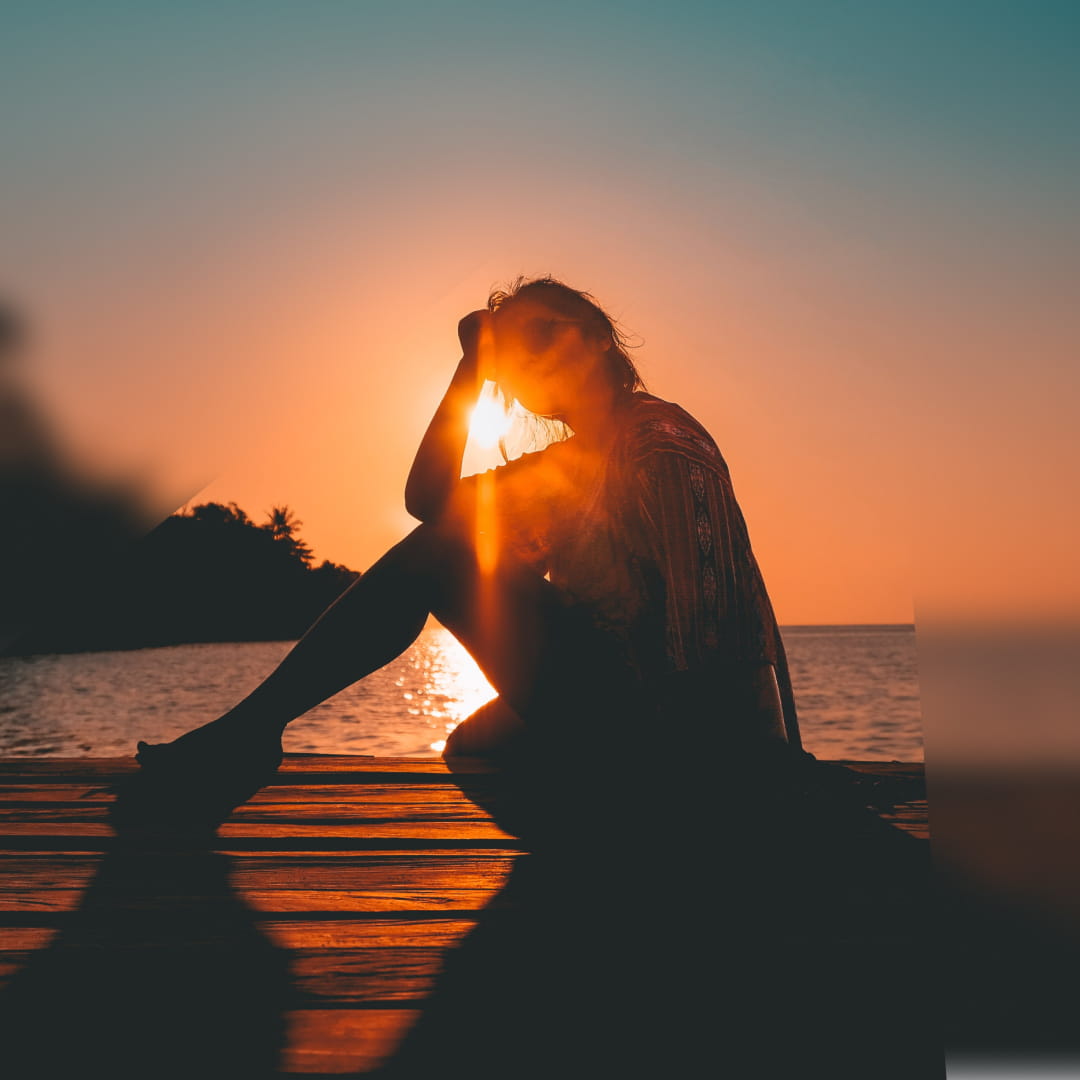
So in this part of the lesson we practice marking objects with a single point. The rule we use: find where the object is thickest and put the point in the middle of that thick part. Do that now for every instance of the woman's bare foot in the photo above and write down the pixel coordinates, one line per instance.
(221, 747)
(192, 784)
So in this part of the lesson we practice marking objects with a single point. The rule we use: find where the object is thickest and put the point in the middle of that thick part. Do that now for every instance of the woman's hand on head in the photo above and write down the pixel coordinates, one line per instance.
(436, 468)
(476, 332)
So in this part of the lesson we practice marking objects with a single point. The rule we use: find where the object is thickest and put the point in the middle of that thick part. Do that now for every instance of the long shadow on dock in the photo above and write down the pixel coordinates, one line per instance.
(667, 916)
(161, 972)
(704, 930)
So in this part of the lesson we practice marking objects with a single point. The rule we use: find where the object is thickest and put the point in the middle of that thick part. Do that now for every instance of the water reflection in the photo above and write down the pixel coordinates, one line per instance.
(407, 708)
(857, 692)
(456, 687)
(98, 704)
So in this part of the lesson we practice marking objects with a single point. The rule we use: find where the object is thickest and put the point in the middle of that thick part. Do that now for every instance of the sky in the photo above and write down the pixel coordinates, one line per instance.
(843, 235)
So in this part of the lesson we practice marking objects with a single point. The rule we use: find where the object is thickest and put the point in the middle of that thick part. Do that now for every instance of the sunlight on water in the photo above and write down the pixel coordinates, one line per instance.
(407, 708)
(454, 680)
(856, 687)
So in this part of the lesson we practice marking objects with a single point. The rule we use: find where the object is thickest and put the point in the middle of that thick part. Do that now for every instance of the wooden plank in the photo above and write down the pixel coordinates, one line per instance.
(329, 827)
(293, 767)
(398, 931)
(243, 847)
(387, 793)
(353, 763)
(332, 978)
(334, 1041)
(366, 875)
(36, 790)
(232, 832)
(94, 823)
(410, 798)
(25, 939)
(428, 931)
(444, 808)
(66, 872)
(327, 766)
(372, 870)
(27, 900)
(342, 977)
(240, 837)
(380, 799)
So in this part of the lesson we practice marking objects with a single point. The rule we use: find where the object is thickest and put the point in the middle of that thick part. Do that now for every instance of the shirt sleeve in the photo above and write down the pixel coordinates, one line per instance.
(514, 506)
(693, 542)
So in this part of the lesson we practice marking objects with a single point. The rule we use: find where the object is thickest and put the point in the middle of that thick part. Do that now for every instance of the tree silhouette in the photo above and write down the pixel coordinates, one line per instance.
(283, 525)
(282, 522)
(207, 574)
(220, 514)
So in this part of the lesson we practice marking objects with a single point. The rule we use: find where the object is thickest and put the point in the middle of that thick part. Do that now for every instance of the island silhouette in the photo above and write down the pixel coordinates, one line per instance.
(206, 574)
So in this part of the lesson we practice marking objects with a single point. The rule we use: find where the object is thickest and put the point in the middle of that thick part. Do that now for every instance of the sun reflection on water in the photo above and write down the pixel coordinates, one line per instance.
(857, 689)
(453, 686)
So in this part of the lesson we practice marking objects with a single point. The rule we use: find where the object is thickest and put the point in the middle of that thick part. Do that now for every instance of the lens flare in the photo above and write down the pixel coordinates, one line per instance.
(489, 421)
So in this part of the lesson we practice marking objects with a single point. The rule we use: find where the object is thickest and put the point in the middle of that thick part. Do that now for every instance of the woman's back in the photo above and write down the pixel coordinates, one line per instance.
(646, 537)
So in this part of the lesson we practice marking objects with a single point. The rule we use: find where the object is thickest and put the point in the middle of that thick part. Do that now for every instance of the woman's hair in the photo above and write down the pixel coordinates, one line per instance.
(582, 307)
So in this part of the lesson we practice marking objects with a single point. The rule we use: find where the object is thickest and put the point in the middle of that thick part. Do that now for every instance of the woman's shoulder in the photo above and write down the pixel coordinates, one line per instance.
(647, 412)
(653, 425)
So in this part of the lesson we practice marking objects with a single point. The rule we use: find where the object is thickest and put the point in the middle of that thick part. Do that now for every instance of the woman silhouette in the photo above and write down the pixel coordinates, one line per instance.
(605, 584)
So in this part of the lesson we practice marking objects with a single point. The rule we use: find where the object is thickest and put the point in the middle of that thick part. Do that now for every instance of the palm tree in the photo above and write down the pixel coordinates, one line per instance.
(283, 525)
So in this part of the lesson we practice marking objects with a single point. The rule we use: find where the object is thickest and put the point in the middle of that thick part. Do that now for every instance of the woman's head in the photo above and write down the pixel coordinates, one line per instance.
(553, 342)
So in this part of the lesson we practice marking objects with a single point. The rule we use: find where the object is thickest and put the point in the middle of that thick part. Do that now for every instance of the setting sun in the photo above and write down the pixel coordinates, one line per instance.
(489, 421)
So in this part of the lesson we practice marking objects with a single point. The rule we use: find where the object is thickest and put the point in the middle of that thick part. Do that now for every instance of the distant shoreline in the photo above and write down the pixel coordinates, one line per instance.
(796, 627)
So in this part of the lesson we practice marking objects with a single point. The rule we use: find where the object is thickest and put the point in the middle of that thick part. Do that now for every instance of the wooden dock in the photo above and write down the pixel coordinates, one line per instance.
(353, 915)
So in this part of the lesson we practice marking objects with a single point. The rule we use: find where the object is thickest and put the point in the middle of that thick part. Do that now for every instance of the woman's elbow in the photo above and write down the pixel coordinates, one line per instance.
(428, 508)
(418, 508)
(418, 501)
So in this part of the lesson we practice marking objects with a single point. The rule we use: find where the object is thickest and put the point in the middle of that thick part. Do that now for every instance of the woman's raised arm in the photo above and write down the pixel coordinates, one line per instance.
(436, 469)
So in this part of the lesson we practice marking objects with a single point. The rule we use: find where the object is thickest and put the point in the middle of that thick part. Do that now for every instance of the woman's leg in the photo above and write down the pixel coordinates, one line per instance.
(374, 620)
(509, 618)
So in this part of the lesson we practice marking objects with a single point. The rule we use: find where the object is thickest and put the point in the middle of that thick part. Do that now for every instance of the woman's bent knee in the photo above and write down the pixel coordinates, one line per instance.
(494, 730)
(440, 545)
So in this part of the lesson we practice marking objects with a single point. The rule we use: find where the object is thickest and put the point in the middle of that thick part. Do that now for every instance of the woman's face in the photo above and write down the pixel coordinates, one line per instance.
(543, 358)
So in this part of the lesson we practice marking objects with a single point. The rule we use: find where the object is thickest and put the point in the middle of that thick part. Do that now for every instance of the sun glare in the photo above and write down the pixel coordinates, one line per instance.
(455, 683)
(489, 421)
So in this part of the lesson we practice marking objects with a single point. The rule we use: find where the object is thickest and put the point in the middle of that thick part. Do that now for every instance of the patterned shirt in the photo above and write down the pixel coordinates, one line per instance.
(650, 541)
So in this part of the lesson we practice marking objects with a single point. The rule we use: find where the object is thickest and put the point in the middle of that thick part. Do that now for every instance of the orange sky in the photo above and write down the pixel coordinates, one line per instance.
(811, 446)
(865, 424)
(244, 247)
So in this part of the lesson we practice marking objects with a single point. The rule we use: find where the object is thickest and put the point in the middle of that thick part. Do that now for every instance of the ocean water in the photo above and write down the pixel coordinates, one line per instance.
(856, 690)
